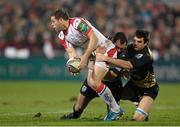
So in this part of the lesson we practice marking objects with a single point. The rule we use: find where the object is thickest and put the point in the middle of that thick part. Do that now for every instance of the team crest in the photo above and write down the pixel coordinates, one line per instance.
(138, 56)
(84, 88)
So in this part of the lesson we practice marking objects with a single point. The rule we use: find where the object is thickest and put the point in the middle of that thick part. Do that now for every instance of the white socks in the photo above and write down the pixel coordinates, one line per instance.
(105, 93)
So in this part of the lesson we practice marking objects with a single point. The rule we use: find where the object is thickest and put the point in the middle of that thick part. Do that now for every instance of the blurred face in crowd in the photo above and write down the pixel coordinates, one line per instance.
(57, 24)
(119, 45)
(138, 43)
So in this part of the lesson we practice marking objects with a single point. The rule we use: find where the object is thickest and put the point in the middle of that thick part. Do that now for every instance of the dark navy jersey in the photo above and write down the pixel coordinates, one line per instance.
(120, 55)
(142, 73)
(117, 72)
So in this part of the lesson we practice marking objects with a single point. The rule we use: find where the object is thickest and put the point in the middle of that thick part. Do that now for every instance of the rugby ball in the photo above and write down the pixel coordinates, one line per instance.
(72, 64)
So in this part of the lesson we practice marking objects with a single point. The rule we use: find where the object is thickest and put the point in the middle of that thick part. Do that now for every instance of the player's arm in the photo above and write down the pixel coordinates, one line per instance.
(120, 63)
(91, 47)
(92, 44)
(67, 46)
(71, 52)
(117, 62)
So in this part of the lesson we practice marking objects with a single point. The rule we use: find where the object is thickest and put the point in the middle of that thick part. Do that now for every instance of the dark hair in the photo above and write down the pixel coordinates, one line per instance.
(61, 13)
(120, 36)
(143, 34)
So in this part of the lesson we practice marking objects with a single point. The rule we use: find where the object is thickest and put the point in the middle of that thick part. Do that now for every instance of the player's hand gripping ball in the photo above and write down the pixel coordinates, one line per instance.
(72, 65)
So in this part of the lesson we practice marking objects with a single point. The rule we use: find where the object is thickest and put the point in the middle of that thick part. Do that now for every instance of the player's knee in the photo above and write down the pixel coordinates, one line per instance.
(92, 84)
(94, 87)
(140, 115)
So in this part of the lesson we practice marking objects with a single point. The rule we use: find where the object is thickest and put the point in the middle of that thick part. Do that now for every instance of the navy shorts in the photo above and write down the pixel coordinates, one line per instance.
(134, 93)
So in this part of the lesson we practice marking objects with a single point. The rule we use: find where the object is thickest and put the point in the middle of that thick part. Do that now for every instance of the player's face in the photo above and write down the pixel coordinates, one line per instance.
(56, 24)
(138, 43)
(119, 45)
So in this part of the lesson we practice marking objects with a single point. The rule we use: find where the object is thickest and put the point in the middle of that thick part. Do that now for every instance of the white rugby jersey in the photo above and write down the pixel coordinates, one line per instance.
(76, 34)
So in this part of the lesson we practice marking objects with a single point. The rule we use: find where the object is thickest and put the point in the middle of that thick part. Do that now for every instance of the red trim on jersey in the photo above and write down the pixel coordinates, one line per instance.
(63, 43)
(88, 31)
(71, 21)
(111, 52)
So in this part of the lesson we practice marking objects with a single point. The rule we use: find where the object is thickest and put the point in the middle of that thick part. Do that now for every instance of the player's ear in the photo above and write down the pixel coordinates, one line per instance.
(60, 19)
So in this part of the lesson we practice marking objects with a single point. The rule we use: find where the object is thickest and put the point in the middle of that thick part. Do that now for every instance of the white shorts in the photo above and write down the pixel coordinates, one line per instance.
(111, 52)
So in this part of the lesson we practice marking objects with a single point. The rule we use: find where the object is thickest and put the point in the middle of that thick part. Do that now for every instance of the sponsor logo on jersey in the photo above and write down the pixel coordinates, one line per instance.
(83, 27)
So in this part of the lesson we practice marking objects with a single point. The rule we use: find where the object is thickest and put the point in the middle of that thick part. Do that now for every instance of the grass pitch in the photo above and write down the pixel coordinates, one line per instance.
(20, 101)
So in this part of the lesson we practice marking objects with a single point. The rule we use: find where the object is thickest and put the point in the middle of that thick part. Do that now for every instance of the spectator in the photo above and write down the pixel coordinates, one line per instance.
(20, 22)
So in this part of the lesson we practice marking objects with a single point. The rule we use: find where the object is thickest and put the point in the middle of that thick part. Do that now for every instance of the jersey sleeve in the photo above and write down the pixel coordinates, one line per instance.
(63, 41)
(140, 60)
(82, 26)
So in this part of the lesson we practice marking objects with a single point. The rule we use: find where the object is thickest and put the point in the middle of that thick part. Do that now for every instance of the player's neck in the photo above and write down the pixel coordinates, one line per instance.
(66, 24)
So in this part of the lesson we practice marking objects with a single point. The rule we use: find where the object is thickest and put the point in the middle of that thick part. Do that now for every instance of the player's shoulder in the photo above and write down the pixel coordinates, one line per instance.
(75, 21)
(148, 52)
(144, 53)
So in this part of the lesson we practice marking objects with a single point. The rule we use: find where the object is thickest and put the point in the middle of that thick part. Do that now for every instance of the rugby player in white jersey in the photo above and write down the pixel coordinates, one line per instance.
(79, 32)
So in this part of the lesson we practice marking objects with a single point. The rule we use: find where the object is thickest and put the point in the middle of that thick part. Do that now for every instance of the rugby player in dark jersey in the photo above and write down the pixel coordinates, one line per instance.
(141, 86)
(112, 80)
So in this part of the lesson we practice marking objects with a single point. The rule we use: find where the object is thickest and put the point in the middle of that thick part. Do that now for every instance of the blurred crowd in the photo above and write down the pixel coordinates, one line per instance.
(25, 25)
